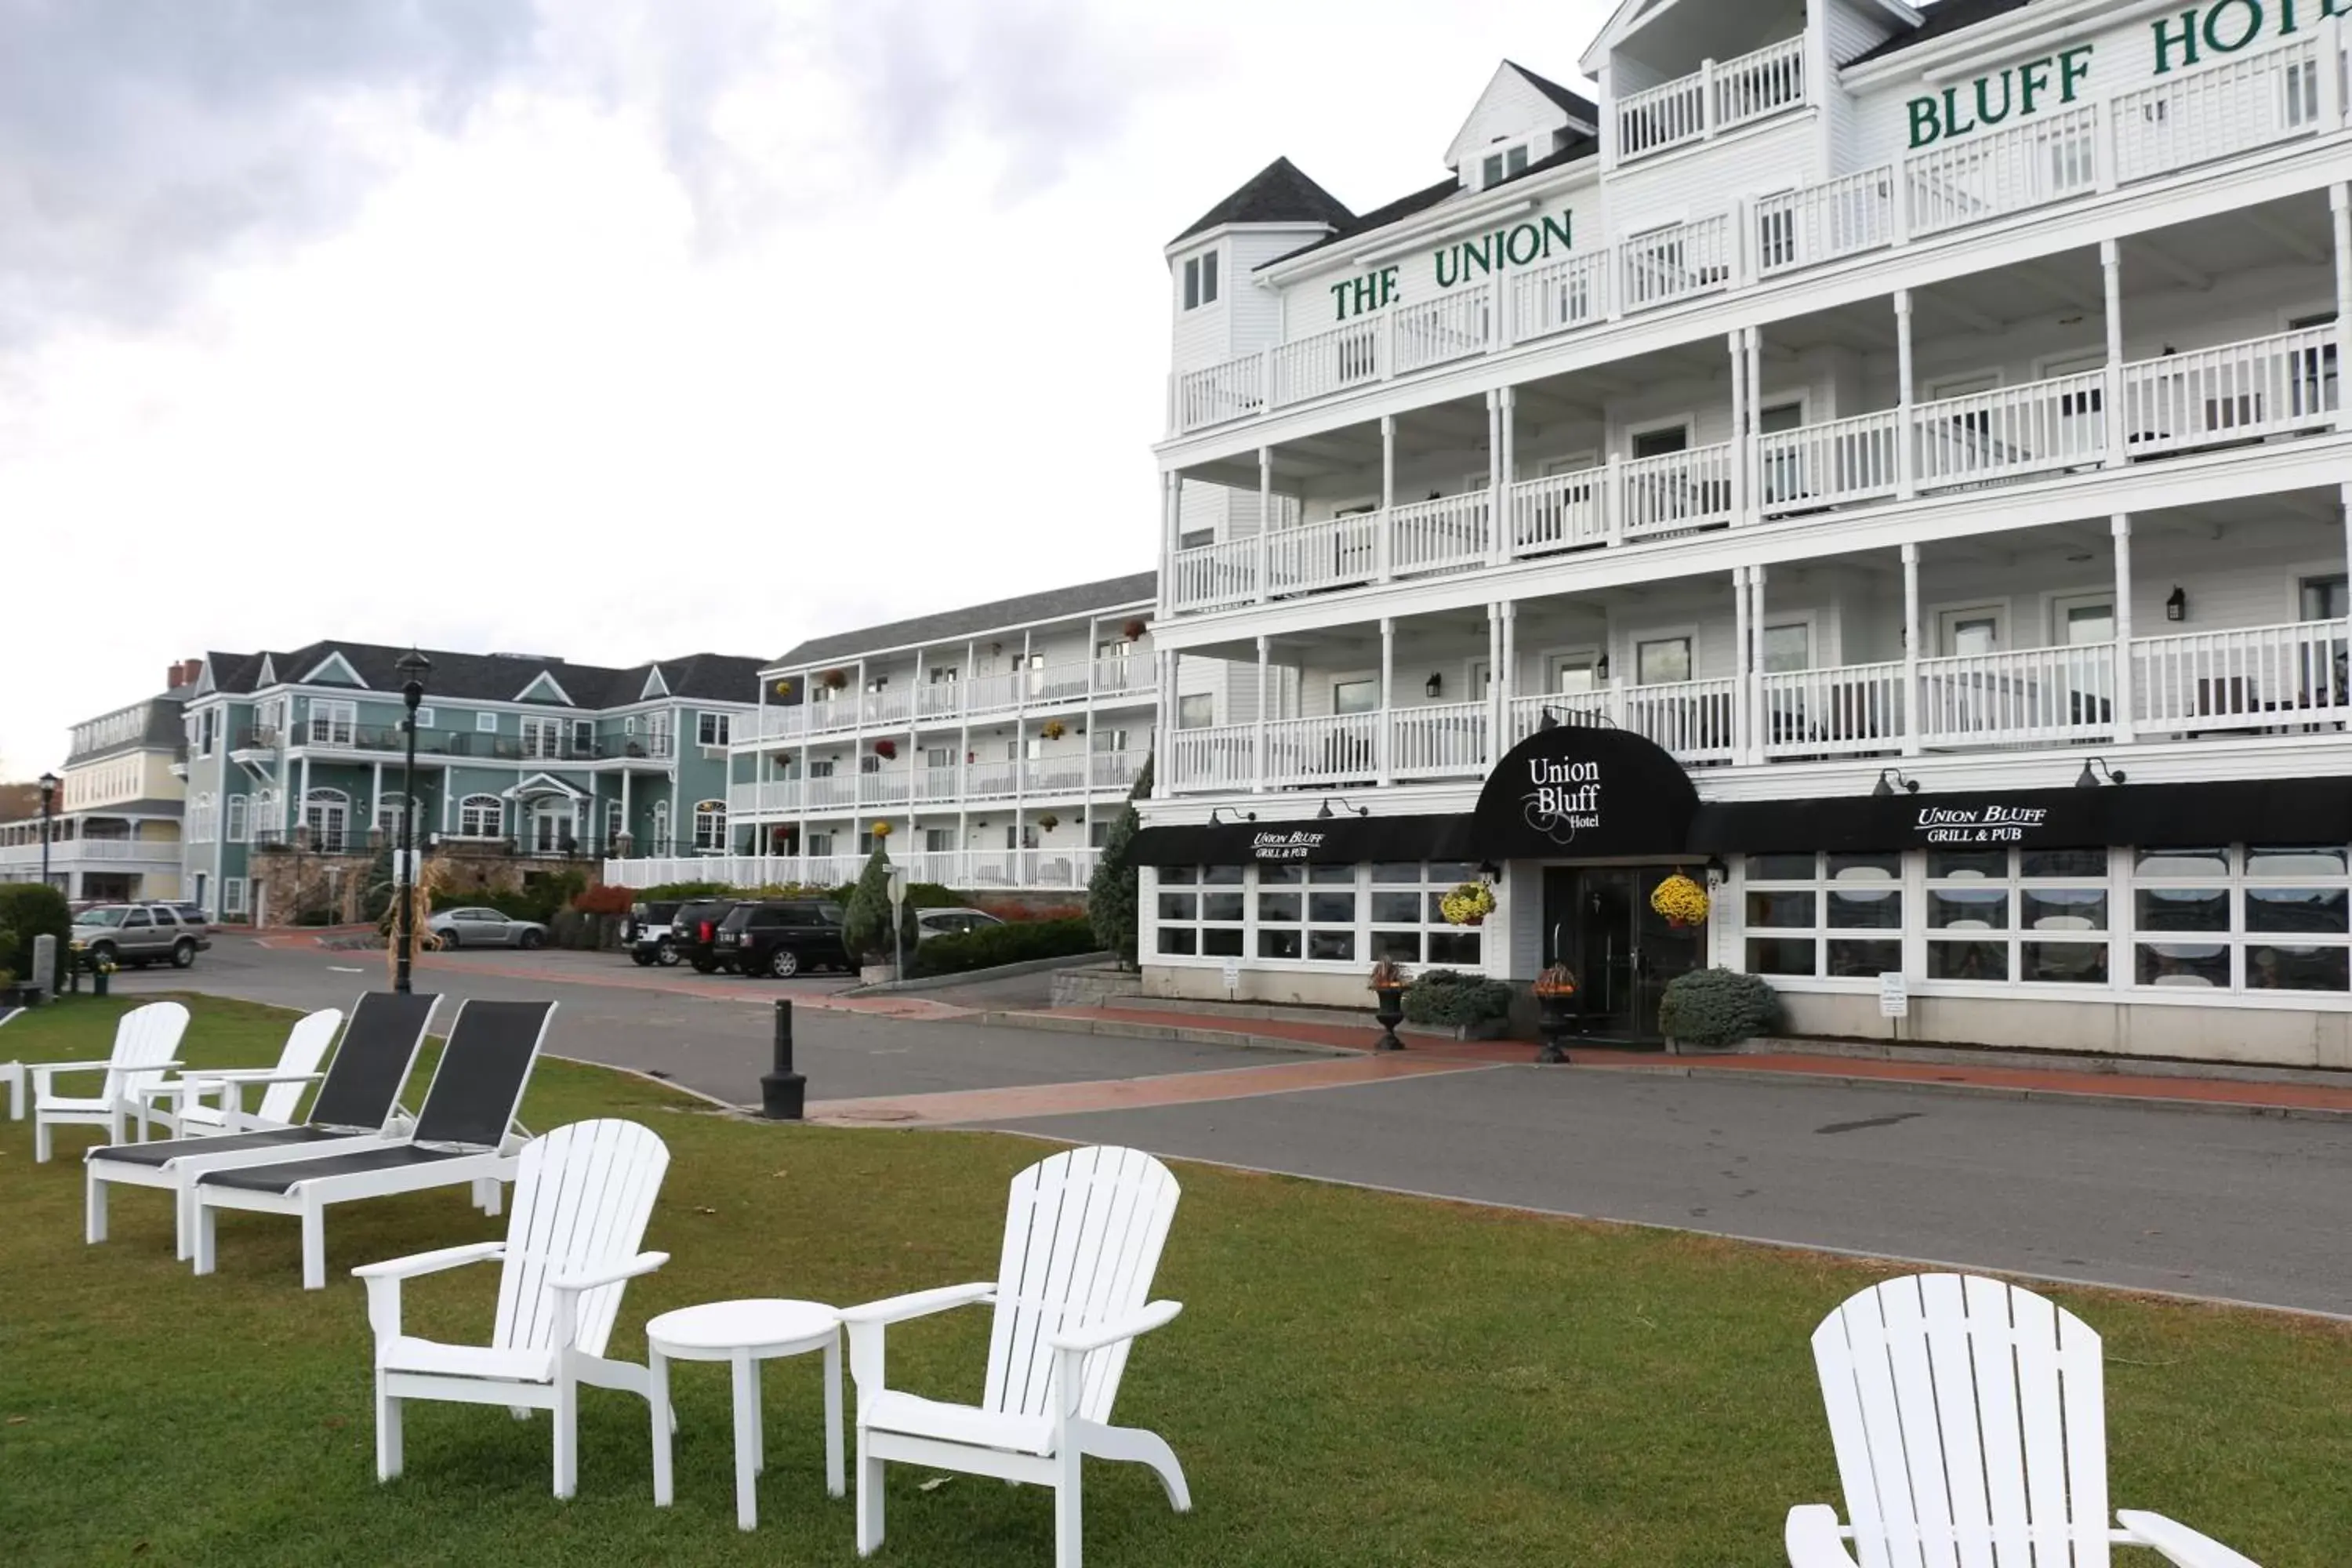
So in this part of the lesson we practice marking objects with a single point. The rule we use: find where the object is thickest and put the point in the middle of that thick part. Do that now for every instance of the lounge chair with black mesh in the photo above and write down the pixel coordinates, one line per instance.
(465, 1133)
(356, 1108)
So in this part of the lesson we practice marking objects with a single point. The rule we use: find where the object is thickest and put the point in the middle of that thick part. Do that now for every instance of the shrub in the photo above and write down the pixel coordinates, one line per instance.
(1713, 1009)
(993, 945)
(684, 890)
(606, 900)
(865, 923)
(1016, 914)
(1447, 998)
(1111, 896)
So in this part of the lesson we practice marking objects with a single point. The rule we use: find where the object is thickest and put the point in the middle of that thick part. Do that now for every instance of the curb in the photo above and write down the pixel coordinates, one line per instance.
(1121, 1029)
(976, 977)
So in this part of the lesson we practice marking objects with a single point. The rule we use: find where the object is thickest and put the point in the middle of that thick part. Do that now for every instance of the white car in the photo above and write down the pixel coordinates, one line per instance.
(952, 922)
(485, 927)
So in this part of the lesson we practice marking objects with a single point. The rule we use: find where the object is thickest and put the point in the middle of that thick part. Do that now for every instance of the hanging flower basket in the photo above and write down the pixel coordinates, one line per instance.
(1681, 900)
(1054, 730)
(886, 747)
(835, 679)
(1467, 905)
(1134, 630)
(783, 689)
(881, 831)
(1049, 822)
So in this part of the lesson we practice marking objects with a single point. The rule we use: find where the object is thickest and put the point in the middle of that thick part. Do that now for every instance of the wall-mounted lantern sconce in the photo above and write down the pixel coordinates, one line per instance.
(1889, 780)
(2089, 777)
(2176, 607)
(1436, 687)
(1238, 815)
(1326, 814)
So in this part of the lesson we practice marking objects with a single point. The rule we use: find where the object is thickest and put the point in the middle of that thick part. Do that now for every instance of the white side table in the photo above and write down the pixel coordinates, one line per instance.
(744, 1335)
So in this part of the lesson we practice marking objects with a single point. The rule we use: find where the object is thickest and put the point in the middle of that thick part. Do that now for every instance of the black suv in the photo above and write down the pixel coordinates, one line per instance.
(647, 933)
(781, 937)
(694, 931)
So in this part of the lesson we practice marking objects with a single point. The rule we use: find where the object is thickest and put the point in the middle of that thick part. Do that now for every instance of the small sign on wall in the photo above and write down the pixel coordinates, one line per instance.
(1232, 978)
(1893, 996)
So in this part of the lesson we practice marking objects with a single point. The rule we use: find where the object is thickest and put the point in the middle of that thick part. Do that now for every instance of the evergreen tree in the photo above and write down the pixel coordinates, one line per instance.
(866, 924)
(1112, 897)
(382, 885)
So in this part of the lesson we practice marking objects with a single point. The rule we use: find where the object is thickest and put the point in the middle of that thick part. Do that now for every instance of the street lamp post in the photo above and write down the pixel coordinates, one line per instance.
(413, 666)
(48, 810)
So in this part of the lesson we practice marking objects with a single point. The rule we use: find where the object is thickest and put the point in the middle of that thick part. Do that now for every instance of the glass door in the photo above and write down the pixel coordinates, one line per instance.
(1598, 921)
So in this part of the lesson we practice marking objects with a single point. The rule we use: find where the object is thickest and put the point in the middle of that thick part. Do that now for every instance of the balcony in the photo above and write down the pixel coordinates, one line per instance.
(68, 852)
(2288, 679)
(966, 871)
(2206, 399)
(390, 740)
(1717, 98)
(892, 791)
(947, 703)
(2187, 121)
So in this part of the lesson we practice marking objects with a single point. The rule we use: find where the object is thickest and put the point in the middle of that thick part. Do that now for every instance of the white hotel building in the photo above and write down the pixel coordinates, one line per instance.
(993, 746)
(1896, 455)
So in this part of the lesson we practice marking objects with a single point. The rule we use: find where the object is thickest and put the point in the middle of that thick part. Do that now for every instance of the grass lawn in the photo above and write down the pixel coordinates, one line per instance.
(1357, 1379)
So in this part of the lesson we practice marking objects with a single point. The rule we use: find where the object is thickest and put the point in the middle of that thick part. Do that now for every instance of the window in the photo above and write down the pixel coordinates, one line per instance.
(1788, 647)
(332, 723)
(199, 819)
(542, 737)
(232, 895)
(486, 723)
(583, 737)
(2323, 598)
(2270, 918)
(481, 816)
(710, 826)
(615, 823)
(1099, 833)
(1196, 539)
(1201, 911)
(1503, 166)
(661, 826)
(820, 846)
(1662, 661)
(1406, 924)
(1661, 443)
(327, 813)
(237, 833)
(267, 815)
(1355, 697)
(1196, 712)
(2032, 915)
(1839, 915)
(713, 729)
(657, 732)
(1200, 280)
(938, 840)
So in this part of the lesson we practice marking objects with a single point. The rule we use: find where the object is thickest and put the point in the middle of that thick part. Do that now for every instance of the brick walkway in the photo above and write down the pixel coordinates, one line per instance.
(1129, 1094)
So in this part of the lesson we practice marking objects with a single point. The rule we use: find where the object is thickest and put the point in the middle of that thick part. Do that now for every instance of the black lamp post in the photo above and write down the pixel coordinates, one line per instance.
(48, 810)
(412, 666)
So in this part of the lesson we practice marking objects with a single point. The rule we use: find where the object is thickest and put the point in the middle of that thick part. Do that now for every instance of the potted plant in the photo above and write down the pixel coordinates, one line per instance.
(1048, 821)
(835, 679)
(1389, 983)
(1716, 1009)
(886, 747)
(1681, 900)
(1468, 904)
(1557, 1010)
(881, 830)
(783, 689)
(1054, 730)
(1134, 630)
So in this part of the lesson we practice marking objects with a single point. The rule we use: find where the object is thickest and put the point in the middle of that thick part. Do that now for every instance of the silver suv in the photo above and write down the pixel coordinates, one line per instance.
(139, 934)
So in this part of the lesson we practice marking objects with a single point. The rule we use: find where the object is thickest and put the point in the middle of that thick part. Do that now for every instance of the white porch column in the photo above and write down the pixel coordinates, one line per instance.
(1744, 743)
(1172, 541)
(1742, 447)
(2124, 689)
(1906, 439)
(2340, 202)
(1754, 336)
(1257, 746)
(299, 816)
(1910, 650)
(1751, 690)
(1494, 692)
(1507, 404)
(1388, 700)
(376, 795)
(2111, 268)
(1494, 557)
(628, 820)
(1163, 761)
(1264, 521)
(1385, 545)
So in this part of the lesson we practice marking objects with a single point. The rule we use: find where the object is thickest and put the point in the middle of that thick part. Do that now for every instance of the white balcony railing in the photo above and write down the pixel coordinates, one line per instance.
(2012, 698)
(2240, 104)
(1047, 869)
(1340, 747)
(1678, 490)
(2250, 677)
(1442, 740)
(1834, 464)
(2013, 432)
(776, 797)
(1563, 511)
(2240, 392)
(944, 701)
(1323, 555)
(1443, 535)
(1210, 576)
(65, 852)
(1217, 757)
(1833, 712)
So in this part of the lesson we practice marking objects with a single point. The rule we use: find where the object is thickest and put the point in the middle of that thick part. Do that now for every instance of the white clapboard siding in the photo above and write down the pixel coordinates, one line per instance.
(1082, 1240)
(583, 1195)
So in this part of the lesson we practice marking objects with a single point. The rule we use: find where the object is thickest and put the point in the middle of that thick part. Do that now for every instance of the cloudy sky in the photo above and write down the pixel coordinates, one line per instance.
(619, 328)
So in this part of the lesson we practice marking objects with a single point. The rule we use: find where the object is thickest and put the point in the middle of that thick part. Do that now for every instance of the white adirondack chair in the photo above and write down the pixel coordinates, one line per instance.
(298, 1066)
(1969, 1420)
(144, 1041)
(583, 1195)
(13, 1072)
(1082, 1239)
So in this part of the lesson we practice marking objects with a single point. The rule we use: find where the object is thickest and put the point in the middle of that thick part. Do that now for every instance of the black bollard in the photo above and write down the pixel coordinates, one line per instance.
(784, 1093)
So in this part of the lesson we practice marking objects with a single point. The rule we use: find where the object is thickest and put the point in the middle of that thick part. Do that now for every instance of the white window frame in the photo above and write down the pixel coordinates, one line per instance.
(712, 729)
(424, 718)
(338, 718)
(236, 819)
(233, 895)
(1200, 280)
(486, 723)
(711, 827)
(542, 737)
(472, 822)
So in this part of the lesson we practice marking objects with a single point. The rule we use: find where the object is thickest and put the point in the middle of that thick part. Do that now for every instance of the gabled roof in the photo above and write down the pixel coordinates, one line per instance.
(1578, 107)
(1575, 150)
(1278, 192)
(1052, 604)
(545, 688)
(332, 670)
(497, 677)
(268, 676)
(1534, 103)
(655, 684)
(1939, 20)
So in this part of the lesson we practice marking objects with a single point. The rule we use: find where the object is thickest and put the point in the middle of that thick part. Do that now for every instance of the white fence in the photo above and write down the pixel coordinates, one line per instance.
(1045, 869)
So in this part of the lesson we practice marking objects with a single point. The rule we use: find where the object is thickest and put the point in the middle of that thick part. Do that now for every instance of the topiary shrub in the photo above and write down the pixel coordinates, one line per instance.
(1715, 1008)
(866, 922)
(1449, 999)
(993, 945)
(1113, 898)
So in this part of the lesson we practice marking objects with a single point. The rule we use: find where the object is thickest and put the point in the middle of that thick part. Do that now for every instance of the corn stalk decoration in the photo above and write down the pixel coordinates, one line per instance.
(432, 875)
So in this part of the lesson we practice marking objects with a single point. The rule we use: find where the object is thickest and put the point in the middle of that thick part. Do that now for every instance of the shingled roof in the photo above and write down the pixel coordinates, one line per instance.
(1056, 603)
(497, 677)
(1935, 21)
(1574, 149)
(1278, 192)
(1582, 109)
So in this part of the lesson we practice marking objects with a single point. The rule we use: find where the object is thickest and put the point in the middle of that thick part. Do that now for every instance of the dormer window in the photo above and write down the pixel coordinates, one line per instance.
(1502, 165)
(1200, 280)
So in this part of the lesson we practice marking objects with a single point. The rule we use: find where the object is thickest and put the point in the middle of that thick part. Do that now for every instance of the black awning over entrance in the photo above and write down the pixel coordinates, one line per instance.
(1323, 841)
(2234, 811)
(1582, 793)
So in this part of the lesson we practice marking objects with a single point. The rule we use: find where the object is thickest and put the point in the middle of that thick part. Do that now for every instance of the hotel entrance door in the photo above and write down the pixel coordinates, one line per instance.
(1598, 921)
